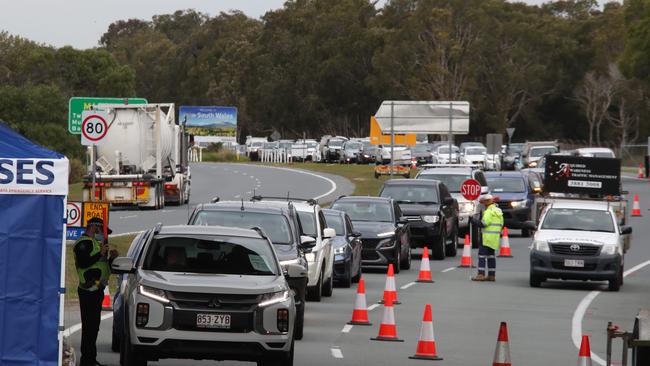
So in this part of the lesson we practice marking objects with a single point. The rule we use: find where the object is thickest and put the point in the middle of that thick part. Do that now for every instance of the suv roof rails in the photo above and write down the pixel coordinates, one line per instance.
(157, 228)
(215, 199)
(260, 231)
(476, 166)
(310, 201)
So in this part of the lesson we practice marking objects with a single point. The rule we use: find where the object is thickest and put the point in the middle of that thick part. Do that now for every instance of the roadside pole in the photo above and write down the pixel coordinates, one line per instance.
(450, 135)
(94, 168)
(392, 139)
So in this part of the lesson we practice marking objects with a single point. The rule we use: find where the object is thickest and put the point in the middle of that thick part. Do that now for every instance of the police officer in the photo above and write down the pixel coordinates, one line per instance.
(92, 260)
(492, 225)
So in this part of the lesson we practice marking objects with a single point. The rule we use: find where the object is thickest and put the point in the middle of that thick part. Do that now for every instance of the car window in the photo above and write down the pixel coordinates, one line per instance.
(366, 211)
(335, 221)
(411, 194)
(578, 219)
(275, 226)
(475, 151)
(353, 146)
(452, 181)
(508, 185)
(480, 177)
(308, 223)
(212, 254)
(335, 143)
(348, 224)
(541, 151)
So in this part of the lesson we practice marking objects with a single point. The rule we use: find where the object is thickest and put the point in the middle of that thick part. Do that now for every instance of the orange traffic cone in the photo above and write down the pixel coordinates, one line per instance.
(414, 163)
(466, 259)
(425, 269)
(427, 344)
(360, 312)
(390, 292)
(388, 328)
(641, 175)
(502, 351)
(584, 357)
(636, 210)
(504, 248)
(106, 303)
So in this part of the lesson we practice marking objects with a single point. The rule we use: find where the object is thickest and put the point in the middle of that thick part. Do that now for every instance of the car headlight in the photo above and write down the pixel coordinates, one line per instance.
(311, 257)
(274, 298)
(540, 246)
(609, 249)
(532, 164)
(290, 261)
(154, 293)
(386, 234)
(516, 204)
(430, 219)
(466, 207)
(340, 250)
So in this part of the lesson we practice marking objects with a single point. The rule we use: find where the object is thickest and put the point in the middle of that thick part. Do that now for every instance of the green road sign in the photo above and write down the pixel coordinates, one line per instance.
(79, 104)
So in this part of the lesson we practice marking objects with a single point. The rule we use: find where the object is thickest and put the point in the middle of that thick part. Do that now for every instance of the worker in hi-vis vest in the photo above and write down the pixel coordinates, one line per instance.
(92, 260)
(491, 225)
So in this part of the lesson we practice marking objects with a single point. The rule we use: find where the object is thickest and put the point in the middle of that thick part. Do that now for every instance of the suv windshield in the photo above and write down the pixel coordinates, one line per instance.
(476, 151)
(211, 254)
(335, 221)
(335, 143)
(366, 211)
(308, 223)
(353, 146)
(411, 194)
(578, 219)
(275, 226)
(541, 151)
(452, 181)
(509, 185)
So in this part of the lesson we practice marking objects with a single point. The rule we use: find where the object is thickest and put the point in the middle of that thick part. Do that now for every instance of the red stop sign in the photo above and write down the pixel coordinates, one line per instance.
(470, 189)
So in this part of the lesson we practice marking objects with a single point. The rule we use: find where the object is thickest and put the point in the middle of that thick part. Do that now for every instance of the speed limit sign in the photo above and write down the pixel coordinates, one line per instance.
(73, 214)
(93, 127)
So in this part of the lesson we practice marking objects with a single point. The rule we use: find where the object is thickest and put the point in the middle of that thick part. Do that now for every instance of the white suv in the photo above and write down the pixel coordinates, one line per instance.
(206, 292)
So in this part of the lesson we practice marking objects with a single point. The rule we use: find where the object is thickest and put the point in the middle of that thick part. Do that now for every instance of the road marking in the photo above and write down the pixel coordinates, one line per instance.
(128, 217)
(408, 285)
(579, 314)
(448, 269)
(238, 196)
(347, 328)
(252, 177)
(75, 328)
(373, 307)
(336, 353)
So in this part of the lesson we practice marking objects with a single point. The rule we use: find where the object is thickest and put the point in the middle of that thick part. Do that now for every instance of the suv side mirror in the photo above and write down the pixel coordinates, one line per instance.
(355, 234)
(403, 220)
(294, 270)
(530, 225)
(307, 243)
(329, 233)
(626, 230)
(123, 265)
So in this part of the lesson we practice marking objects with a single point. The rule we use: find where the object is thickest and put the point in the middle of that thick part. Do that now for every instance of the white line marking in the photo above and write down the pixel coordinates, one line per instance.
(128, 217)
(347, 328)
(75, 328)
(408, 285)
(249, 192)
(579, 314)
(373, 307)
(238, 196)
(235, 171)
(448, 269)
(252, 177)
(336, 353)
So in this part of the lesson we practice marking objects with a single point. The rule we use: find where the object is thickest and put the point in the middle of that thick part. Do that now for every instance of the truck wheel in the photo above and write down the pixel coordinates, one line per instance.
(535, 280)
(438, 248)
(616, 282)
(315, 293)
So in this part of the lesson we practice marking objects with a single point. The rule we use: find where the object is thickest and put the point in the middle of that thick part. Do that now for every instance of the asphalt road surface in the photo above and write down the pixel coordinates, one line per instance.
(466, 315)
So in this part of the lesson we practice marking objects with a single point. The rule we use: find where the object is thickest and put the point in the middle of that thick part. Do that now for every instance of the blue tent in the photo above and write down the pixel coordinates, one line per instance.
(33, 189)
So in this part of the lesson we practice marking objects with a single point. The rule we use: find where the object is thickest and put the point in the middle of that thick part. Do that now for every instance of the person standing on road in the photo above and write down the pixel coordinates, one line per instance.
(92, 260)
(491, 226)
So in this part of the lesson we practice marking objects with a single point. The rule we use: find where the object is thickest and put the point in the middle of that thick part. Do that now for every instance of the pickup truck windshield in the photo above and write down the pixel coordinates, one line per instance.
(452, 181)
(508, 185)
(335, 221)
(578, 219)
(308, 223)
(213, 255)
(366, 211)
(411, 194)
(335, 143)
(275, 226)
(541, 151)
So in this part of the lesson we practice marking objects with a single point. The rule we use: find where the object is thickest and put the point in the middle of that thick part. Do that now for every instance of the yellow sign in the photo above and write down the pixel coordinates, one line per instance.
(377, 138)
(95, 209)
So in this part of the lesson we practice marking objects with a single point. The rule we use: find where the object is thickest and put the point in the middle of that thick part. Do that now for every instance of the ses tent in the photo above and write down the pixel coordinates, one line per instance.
(33, 189)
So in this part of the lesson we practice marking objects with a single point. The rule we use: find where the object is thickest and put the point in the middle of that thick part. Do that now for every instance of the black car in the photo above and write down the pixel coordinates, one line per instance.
(347, 248)
(422, 153)
(368, 153)
(512, 156)
(384, 231)
(431, 211)
(279, 221)
(517, 192)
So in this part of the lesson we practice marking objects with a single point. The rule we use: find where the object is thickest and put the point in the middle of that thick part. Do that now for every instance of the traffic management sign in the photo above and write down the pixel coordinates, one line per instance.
(77, 105)
(470, 189)
(93, 127)
(95, 209)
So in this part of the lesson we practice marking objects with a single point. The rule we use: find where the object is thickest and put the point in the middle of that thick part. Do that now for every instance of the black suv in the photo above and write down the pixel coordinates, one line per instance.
(279, 221)
(384, 231)
(431, 211)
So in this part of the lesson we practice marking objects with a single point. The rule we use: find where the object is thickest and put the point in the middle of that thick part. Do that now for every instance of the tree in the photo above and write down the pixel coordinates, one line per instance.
(595, 94)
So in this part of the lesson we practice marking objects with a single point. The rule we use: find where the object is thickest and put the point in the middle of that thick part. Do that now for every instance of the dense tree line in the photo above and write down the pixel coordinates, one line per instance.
(566, 69)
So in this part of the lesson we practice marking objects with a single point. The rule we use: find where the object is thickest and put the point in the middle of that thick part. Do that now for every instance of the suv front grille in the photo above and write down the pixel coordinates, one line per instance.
(218, 302)
(587, 250)
(414, 218)
(504, 205)
(370, 243)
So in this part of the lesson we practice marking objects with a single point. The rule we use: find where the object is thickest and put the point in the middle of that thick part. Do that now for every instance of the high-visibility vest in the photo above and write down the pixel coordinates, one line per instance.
(493, 225)
(101, 265)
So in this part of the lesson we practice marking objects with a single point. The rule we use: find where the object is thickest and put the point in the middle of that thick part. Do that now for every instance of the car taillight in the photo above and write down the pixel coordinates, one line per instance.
(139, 184)
(283, 320)
(142, 315)
(170, 186)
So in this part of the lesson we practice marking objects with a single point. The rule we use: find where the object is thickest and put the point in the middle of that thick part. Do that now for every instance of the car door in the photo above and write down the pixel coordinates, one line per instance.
(328, 253)
(446, 210)
(402, 230)
(355, 243)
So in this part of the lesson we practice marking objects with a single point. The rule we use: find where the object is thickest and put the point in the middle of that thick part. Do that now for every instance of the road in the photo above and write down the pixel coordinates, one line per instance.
(466, 314)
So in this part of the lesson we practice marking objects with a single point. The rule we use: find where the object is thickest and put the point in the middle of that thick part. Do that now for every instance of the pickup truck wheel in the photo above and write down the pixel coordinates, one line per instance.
(616, 282)
(328, 287)
(535, 280)
(397, 261)
(315, 293)
(438, 248)
(128, 356)
(406, 262)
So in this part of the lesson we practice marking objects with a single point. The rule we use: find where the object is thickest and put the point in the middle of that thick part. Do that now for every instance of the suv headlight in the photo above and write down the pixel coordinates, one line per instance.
(154, 293)
(540, 246)
(273, 298)
(340, 250)
(609, 249)
(386, 234)
(430, 219)
(466, 207)
(516, 204)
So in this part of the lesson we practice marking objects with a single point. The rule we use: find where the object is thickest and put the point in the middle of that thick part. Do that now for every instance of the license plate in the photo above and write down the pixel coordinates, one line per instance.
(574, 263)
(219, 321)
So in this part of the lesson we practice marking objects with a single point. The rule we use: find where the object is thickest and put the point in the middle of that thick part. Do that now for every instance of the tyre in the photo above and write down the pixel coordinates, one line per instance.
(397, 261)
(284, 360)
(299, 326)
(128, 356)
(328, 286)
(115, 342)
(616, 282)
(476, 237)
(438, 249)
(356, 278)
(315, 293)
(406, 262)
(525, 233)
(535, 280)
(451, 248)
(346, 282)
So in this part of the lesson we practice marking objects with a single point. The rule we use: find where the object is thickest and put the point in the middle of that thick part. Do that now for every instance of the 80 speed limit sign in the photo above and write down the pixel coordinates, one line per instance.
(93, 127)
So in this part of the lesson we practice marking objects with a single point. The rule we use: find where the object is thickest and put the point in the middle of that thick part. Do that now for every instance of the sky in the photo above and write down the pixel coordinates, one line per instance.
(80, 23)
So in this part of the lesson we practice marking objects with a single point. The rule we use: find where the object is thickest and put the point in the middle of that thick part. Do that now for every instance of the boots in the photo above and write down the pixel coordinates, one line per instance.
(479, 277)
(491, 278)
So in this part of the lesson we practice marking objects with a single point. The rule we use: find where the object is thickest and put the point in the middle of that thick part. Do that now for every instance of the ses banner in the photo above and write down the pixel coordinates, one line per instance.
(209, 121)
(583, 175)
(34, 176)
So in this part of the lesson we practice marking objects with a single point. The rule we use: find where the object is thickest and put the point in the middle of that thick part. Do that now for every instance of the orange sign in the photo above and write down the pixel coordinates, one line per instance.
(377, 138)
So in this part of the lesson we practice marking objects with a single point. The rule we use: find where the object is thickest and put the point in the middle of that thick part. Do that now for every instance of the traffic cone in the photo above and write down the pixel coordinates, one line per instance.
(360, 312)
(427, 344)
(504, 247)
(425, 269)
(106, 303)
(636, 210)
(466, 259)
(390, 292)
(414, 163)
(584, 357)
(641, 175)
(502, 351)
(388, 328)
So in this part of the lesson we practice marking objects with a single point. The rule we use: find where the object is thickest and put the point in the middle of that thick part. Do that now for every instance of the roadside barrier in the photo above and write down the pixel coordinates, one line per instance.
(466, 259)
(502, 351)
(504, 247)
(425, 269)
(360, 312)
(584, 356)
(426, 349)
(388, 327)
(390, 291)
(107, 304)
(636, 209)
(274, 156)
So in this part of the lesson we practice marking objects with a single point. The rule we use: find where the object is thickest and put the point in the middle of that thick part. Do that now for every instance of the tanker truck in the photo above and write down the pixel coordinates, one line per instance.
(142, 161)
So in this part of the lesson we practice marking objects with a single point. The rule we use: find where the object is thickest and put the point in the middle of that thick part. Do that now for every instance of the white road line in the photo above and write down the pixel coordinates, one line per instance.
(336, 353)
(579, 314)
(252, 177)
(238, 196)
(408, 285)
(128, 217)
(347, 328)
(448, 269)
(75, 328)
(373, 307)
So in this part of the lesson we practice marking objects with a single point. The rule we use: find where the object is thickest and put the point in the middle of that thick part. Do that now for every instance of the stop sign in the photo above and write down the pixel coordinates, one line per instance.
(470, 189)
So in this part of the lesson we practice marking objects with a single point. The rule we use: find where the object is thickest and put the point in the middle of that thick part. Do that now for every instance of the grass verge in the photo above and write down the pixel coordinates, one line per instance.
(75, 191)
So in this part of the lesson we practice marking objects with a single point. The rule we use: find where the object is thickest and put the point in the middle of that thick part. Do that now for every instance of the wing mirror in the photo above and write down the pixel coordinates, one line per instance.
(530, 225)
(355, 234)
(626, 230)
(123, 265)
(329, 233)
(307, 243)
(294, 270)
(403, 220)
